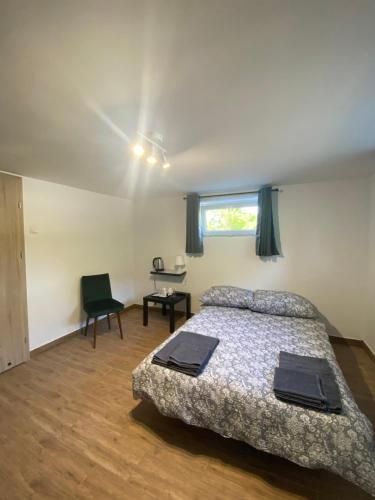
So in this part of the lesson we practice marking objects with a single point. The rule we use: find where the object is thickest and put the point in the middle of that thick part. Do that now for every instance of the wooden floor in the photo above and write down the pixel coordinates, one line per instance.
(69, 428)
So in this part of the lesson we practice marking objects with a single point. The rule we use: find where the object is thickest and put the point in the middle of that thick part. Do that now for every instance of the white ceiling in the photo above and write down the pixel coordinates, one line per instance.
(245, 92)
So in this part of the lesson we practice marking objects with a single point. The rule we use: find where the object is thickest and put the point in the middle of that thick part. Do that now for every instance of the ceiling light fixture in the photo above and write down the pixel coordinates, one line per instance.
(166, 163)
(152, 157)
(152, 145)
(138, 149)
(151, 160)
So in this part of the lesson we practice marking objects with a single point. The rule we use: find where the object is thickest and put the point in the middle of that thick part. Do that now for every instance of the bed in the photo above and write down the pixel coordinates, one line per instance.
(234, 395)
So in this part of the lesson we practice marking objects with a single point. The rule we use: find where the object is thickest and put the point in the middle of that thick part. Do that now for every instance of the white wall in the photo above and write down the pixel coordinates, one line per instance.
(69, 233)
(324, 233)
(370, 333)
(328, 240)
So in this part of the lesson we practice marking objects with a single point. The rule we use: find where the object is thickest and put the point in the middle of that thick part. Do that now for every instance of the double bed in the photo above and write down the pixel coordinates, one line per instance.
(234, 395)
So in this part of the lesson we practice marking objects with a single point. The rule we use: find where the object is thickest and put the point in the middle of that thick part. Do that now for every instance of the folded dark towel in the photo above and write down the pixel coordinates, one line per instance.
(321, 367)
(186, 353)
(196, 340)
(299, 387)
(189, 355)
(314, 366)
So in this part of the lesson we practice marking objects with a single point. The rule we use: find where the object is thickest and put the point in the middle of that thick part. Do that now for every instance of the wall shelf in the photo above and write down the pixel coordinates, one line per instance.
(169, 272)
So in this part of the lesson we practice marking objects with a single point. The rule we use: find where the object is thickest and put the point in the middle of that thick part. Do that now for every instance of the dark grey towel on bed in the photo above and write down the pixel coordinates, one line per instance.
(299, 387)
(186, 353)
(316, 366)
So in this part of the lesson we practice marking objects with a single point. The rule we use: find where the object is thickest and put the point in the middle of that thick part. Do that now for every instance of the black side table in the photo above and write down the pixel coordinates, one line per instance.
(170, 301)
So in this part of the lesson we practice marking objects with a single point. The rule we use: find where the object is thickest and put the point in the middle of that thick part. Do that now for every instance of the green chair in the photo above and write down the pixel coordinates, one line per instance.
(98, 301)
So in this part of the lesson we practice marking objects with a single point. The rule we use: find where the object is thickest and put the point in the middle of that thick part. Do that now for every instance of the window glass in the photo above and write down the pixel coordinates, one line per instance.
(229, 215)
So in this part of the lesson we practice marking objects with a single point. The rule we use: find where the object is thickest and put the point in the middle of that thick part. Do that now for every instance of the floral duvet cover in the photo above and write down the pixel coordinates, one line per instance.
(234, 394)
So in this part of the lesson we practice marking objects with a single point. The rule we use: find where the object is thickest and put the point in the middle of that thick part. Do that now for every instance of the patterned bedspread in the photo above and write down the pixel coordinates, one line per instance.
(234, 396)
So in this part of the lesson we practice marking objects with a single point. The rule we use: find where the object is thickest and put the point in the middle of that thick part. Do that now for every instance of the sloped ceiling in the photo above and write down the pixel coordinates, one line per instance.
(244, 92)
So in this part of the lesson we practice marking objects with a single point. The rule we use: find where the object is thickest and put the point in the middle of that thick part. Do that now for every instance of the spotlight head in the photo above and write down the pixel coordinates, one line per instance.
(138, 149)
(151, 160)
(166, 165)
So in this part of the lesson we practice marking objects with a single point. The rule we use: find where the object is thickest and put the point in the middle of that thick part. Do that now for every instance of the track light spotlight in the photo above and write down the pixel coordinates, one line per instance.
(138, 149)
(151, 160)
(151, 146)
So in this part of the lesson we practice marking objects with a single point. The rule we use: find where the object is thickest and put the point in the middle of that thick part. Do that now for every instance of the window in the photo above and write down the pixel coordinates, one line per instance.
(229, 215)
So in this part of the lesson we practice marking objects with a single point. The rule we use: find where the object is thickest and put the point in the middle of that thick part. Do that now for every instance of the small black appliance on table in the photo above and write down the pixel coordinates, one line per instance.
(169, 301)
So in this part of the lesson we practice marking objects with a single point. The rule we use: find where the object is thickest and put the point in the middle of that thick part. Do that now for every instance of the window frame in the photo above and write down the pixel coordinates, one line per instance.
(237, 201)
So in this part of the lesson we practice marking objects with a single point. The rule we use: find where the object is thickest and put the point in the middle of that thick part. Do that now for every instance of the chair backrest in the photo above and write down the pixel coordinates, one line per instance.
(96, 287)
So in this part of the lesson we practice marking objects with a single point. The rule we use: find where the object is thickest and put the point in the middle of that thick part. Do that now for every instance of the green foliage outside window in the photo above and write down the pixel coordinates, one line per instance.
(231, 219)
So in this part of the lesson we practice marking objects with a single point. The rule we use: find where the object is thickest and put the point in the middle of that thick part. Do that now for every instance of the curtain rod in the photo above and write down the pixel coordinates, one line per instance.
(233, 194)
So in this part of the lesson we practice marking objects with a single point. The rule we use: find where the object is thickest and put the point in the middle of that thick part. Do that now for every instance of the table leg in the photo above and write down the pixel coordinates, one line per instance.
(171, 318)
(145, 312)
(188, 306)
(164, 309)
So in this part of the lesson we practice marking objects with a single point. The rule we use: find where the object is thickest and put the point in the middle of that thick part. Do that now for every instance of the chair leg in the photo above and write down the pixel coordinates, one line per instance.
(94, 342)
(119, 324)
(109, 322)
(87, 324)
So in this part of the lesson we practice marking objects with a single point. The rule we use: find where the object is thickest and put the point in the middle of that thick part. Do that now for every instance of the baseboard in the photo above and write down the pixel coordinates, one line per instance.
(65, 337)
(355, 342)
(369, 351)
(344, 340)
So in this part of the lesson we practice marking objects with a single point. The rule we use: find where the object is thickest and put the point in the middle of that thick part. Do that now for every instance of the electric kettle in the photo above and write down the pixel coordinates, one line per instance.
(158, 264)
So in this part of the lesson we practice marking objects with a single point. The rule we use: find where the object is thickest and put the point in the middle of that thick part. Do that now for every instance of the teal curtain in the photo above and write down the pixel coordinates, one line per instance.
(194, 240)
(266, 244)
